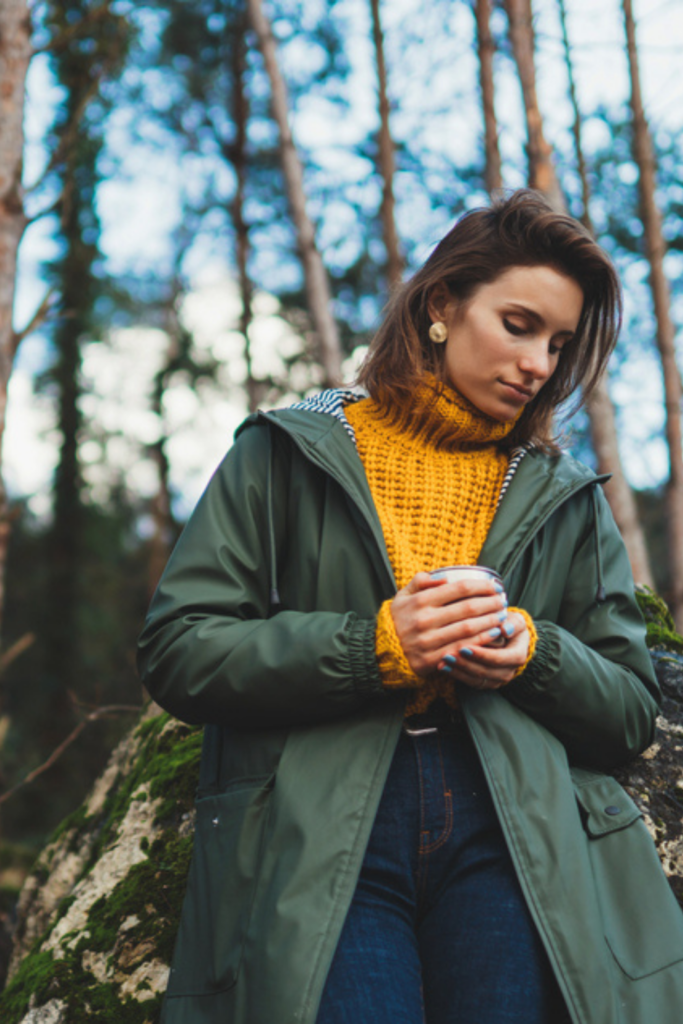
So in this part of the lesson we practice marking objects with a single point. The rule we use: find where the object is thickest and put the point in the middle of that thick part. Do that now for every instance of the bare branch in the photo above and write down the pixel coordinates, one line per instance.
(13, 652)
(108, 711)
(39, 317)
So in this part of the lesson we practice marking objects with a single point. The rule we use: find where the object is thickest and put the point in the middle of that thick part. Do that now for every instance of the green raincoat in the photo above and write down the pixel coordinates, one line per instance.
(263, 629)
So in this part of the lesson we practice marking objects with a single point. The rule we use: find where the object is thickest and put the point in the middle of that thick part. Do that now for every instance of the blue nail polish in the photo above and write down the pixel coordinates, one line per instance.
(494, 633)
(447, 668)
(450, 660)
(466, 652)
(499, 589)
(508, 628)
(502, 616)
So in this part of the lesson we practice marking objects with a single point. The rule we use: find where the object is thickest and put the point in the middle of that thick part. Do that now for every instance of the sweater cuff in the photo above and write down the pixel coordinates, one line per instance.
(361, 647)
(391, 659)
(546, 661)
(533, 639)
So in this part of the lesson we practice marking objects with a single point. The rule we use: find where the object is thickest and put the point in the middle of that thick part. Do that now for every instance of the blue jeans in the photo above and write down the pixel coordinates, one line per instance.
(438, 930)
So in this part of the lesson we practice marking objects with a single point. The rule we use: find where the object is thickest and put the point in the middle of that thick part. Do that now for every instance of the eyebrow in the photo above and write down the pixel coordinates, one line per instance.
(537, 318)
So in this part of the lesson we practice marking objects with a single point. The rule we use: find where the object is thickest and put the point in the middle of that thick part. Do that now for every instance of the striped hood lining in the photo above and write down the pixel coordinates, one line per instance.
(333, 401)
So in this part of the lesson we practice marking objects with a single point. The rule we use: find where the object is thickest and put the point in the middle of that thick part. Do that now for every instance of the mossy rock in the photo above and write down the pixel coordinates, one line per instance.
(99, 913)
(661, 629)
(655, 779)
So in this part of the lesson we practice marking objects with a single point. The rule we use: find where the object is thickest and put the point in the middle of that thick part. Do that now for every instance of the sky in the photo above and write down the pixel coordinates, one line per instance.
(139, 209)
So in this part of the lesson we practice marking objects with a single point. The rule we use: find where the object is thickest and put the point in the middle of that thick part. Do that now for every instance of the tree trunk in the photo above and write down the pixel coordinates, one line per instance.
(655, 248)
(317, 283)
(164, 535)
(599, 406)
(165, 530)
(543, 177)
(387, 164)
(541, 168)
(493, 173)
(577, 122)
(603, 429)
(15, 54)
(240, 115)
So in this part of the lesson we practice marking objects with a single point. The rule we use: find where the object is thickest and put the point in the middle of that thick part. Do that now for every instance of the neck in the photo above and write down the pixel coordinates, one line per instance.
(443, 418)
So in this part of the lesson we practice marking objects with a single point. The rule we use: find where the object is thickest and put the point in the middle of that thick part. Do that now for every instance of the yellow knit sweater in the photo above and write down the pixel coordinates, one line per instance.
(435, 489)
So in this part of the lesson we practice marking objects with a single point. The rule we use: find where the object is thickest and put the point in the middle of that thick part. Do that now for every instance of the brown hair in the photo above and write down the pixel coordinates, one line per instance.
(521, 229)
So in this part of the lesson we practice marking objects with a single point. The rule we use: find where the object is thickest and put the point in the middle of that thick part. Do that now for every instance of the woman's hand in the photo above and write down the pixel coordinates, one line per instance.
(488, 668)
(436, 620)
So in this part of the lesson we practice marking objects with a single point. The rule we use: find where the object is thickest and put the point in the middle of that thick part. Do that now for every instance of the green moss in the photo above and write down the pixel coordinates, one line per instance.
(661, 629)
(166, 767)
(152, 891)
(35, 975)
(102, 1004)
(173, 771)
(89, 1001)
(659, 637)
(77, 821)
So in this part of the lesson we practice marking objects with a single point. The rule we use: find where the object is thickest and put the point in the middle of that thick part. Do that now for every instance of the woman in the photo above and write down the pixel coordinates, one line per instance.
(398, 818)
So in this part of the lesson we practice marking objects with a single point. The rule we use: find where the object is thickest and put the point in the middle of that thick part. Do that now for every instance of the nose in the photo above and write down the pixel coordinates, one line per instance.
(535, 361)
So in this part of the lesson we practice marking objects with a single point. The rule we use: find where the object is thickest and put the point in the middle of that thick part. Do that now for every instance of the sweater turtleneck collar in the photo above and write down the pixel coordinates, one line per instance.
(441, 417)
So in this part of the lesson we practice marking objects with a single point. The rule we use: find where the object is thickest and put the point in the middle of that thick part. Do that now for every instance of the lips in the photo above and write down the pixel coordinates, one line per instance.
(525, 394)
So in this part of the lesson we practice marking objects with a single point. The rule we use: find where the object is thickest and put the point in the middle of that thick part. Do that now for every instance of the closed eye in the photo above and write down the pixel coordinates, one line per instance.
(556, 349)
(513, 328)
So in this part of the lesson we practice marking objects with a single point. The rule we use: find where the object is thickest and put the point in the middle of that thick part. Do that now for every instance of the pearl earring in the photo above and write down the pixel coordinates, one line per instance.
(438, 332)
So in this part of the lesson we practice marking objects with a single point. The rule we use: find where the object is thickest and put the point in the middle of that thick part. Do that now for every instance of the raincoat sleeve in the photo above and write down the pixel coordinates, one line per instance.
(211, 652)
(591, 681)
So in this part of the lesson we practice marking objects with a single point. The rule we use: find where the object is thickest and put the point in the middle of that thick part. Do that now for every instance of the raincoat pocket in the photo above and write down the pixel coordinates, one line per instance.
(220, 888)
(642, 920)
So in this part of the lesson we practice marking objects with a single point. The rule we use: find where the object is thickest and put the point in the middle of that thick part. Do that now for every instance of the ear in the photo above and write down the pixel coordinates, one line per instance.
(438, 302)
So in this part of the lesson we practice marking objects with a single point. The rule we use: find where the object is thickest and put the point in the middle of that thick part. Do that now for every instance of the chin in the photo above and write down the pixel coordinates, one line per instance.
(501, 415)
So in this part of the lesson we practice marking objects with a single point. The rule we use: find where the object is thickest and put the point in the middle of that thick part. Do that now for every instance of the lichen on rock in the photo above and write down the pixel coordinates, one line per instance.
(99, 913)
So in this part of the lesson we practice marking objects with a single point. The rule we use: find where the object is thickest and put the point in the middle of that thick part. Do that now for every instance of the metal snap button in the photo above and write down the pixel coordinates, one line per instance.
(612, 809)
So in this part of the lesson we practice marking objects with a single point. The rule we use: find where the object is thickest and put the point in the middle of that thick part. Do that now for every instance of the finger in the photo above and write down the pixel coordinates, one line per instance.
(457, 664)
(464, 589)
(476, 677)
(422, 581)
(512, 629)
(467, 607)
(492, 659)
(480, 613)
(479, 677)
(484, 629)
(481, 657)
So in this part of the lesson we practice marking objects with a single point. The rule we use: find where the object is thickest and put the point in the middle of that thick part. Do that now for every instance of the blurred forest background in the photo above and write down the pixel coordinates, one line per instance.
(204, 206)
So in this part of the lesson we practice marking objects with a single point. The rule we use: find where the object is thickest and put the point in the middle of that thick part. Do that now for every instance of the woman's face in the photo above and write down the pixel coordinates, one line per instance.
(504, 342)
